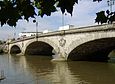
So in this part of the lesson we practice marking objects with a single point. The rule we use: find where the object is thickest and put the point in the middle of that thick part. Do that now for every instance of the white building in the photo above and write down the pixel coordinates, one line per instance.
(46, 31)
(67, 27)
(28, 34)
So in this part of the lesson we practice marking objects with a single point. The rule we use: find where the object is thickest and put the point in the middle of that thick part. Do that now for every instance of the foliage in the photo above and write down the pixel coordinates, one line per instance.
(109, 17)
(13, 10)
(2, 42)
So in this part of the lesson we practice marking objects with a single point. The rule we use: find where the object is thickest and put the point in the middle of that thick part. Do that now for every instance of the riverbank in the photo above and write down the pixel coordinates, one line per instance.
(1, 49)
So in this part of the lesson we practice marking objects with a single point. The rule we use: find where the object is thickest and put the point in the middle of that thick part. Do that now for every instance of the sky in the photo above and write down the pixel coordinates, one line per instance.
(84, 14)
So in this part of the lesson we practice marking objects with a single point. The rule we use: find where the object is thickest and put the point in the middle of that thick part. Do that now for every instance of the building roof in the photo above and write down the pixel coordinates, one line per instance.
(30, 32)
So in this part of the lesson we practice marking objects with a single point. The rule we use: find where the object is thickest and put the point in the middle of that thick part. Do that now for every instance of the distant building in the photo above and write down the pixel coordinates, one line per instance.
(67, 27)
(28, 34)
(46, 31)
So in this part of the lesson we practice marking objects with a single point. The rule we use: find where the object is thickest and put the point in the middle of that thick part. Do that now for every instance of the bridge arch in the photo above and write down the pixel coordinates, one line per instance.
(15, 49)
(82, 48)
(43, 47)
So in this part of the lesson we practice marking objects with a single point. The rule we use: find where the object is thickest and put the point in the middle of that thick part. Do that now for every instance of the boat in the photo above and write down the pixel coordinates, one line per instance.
(2, 77)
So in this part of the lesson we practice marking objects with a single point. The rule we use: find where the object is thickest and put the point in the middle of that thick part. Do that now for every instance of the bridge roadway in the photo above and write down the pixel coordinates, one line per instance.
(85, 43)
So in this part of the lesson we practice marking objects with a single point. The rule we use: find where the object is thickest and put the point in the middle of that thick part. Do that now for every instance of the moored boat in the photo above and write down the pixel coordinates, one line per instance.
(2, 77)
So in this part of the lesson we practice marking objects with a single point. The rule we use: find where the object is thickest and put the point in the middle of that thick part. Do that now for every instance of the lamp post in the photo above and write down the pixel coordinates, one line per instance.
(63, 22)
(36, 29)
(23, 38)
(62, 19)
(14, 36)
(110, 3)
(34, 21)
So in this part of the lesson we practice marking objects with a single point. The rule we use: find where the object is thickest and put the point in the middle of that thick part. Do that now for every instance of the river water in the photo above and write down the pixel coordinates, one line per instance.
(40, 70)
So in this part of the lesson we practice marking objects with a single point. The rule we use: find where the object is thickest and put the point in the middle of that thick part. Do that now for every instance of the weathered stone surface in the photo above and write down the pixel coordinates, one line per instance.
(92, 42)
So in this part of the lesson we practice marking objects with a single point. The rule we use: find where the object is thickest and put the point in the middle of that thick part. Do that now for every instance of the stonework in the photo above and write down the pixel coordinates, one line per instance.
(71, 40)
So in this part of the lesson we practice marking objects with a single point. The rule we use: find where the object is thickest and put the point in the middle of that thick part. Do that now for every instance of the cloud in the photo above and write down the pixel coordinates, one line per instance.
(85, 12)
(6, 32)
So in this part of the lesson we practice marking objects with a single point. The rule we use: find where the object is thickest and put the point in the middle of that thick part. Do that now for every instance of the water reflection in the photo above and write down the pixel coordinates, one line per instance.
(40, 70)
(93, 72)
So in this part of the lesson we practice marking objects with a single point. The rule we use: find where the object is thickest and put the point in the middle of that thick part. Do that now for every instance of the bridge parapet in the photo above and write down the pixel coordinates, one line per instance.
(91, 28)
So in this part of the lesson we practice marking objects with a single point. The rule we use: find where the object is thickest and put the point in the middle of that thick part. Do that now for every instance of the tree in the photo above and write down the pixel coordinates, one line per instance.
(101, 17)
(2, 42)
(13, 10)
(109, 17)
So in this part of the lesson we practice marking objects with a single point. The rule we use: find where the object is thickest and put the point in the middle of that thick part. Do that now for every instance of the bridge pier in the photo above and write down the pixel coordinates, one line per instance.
(20, 54)
(60, 55)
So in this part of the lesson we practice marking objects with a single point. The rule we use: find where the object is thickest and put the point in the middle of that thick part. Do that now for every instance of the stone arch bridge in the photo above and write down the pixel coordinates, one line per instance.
(85, 43)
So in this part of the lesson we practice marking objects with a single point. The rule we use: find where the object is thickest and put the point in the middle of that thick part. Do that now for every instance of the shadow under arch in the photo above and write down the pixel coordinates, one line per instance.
(15, 49)
(39, 48)
(94, 50)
